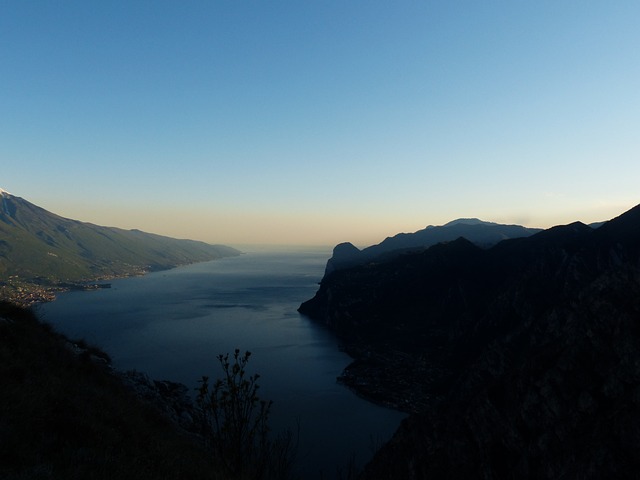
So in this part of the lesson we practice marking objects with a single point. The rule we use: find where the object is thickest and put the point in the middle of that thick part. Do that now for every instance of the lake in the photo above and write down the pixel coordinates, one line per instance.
(172, 325)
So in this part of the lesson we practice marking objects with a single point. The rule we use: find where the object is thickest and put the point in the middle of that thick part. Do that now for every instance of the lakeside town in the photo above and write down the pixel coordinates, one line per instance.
(28, 293)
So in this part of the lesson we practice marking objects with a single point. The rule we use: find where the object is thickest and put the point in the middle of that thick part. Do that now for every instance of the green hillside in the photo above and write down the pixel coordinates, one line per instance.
(41, 250)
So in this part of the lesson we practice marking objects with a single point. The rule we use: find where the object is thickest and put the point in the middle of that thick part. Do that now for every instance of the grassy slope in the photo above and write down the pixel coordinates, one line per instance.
(34, 242)
(40, 248)
(62, 417)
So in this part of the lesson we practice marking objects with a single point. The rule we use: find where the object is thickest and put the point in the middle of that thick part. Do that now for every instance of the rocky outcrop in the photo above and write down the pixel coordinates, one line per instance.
(344, 255)
(171, 399)
(518, 361)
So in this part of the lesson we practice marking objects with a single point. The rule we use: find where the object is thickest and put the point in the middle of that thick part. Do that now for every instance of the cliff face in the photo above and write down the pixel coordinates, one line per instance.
(521, 361)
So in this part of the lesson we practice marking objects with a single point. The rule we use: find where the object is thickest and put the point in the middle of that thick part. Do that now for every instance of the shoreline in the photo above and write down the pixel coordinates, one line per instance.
(390, 378)
(30, 292)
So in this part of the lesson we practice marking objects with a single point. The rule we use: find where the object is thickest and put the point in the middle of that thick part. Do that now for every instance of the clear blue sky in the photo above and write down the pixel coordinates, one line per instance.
(316, 122)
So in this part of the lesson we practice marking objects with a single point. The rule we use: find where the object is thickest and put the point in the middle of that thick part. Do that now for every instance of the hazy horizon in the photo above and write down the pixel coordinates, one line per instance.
(284, 246)
(289, 123)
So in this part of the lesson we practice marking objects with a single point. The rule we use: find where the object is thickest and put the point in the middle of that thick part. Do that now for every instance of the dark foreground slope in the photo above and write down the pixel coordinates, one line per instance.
(62, 416)
(521, 361)
(39, 249)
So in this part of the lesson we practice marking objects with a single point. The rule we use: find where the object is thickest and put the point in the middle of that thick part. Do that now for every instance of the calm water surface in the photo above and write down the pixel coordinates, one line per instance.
(172, 324)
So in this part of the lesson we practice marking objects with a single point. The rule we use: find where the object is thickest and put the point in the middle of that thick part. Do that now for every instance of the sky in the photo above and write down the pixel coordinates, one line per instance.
(318, 122)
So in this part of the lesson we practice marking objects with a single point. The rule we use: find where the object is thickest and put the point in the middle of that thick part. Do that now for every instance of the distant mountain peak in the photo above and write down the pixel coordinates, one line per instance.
(481, 233)
(4, 192)
(468, 221)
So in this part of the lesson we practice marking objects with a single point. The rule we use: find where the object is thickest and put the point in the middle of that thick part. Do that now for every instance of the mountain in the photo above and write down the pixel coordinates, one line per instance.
(517, 361)
(483, 234)
(41, 250)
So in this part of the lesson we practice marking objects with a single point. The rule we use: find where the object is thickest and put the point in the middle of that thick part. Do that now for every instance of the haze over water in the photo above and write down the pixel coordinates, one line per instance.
(172, 324)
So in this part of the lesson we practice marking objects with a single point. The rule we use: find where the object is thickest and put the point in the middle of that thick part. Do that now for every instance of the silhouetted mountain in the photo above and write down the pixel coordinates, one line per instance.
(483, 234)
(517, 361)
(39, 248)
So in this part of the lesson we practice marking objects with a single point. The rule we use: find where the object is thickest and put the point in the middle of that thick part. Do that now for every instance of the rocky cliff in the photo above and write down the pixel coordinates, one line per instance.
(519, 361)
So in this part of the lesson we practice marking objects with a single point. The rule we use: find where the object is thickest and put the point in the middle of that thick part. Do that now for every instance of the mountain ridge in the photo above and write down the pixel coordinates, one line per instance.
(41, 251)
(484, 234)
(517, 361)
